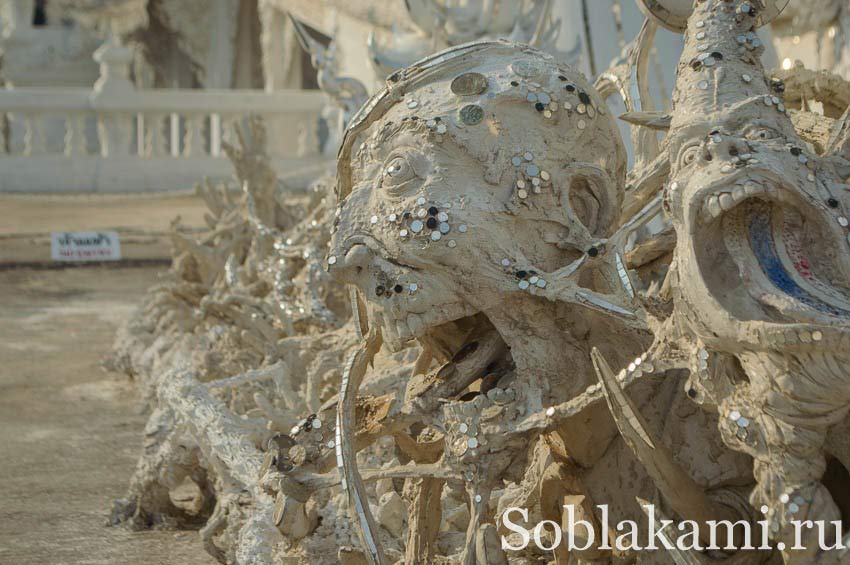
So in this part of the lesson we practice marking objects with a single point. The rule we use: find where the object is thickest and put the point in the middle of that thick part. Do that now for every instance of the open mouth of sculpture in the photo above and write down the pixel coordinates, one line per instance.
(777, 246)
(745, 190)
(406, 300)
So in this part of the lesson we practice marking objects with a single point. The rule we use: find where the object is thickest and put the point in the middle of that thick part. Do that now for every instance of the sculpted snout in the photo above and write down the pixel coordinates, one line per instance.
(349, 264)
(724, 148)
(348, 257)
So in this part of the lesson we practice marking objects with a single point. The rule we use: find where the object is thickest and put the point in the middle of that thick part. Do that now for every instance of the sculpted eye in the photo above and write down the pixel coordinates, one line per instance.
(397, 171)
(402, 167)
(761, 134)
(688, 155)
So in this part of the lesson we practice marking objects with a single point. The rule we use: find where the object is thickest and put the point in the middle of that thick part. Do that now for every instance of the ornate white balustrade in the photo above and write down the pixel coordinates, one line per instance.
(114, 138)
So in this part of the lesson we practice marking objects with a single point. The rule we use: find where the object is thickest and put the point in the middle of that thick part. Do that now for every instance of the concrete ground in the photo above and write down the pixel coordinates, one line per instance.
(70, 433)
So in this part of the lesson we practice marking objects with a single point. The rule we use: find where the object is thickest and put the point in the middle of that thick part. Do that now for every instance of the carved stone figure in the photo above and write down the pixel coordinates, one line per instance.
(501, 260)
(761, 271)
(479, 195)
(347, 94)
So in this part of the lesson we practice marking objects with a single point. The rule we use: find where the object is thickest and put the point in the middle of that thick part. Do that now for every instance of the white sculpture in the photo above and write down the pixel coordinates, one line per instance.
(346, 94)
(496, 248)
(478, 193)
(441, 24)
(760, 270)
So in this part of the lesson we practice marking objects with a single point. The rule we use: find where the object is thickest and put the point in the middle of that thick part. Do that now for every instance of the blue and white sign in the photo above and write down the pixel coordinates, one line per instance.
(85, 246)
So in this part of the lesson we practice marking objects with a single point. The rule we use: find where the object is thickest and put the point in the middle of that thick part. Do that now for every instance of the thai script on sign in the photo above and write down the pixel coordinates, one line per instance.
(85, 246)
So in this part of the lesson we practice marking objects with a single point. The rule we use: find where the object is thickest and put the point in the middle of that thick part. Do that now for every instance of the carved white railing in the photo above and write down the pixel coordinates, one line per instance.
(114, 137)
(152, 123)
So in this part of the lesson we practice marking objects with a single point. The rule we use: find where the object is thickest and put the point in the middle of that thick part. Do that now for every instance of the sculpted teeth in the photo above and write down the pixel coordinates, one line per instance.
(415, 324)
(720, 202)
(391, 335)
(714, 208)
(396, 311)
(402, 330)
(410, 325)
(738, 194)
(444, 313)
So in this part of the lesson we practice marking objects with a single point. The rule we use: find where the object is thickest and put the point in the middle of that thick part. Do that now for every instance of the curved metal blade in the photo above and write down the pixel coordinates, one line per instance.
(346, 452)
(685, 496)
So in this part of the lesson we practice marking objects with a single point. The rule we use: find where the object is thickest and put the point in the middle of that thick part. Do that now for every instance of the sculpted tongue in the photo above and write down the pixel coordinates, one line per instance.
(767, 235)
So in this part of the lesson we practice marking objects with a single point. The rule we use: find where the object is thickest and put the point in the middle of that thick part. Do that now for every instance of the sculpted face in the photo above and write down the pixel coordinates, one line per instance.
(759, 215)
(484, 177)
(757, 205)
(762, 266)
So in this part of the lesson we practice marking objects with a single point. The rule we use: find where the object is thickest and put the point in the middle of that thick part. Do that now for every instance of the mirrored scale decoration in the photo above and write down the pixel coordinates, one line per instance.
(530, 177)
(426, 223)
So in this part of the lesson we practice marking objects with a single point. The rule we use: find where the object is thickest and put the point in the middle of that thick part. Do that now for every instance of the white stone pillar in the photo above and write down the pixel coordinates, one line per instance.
(114, 60)
(281, 52)
(110, 98)
(17, 18)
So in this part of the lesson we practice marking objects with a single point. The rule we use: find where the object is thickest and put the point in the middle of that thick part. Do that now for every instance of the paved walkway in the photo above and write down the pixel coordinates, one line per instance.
(70, 433)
